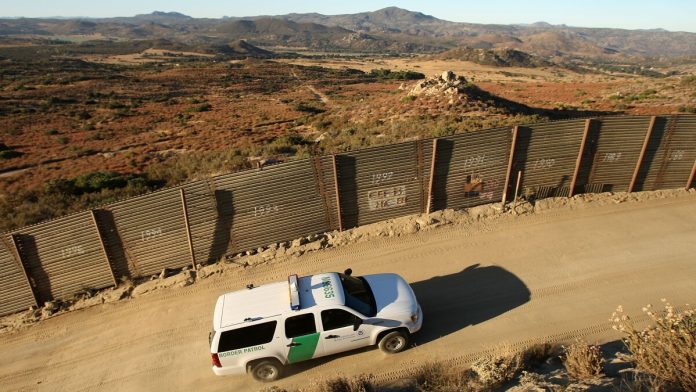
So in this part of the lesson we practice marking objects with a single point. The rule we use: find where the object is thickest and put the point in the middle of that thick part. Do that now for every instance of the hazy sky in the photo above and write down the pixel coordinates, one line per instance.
(675, 15)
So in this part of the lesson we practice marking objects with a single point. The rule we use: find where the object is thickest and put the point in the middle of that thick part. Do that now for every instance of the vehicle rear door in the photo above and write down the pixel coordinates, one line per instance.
(302, 338)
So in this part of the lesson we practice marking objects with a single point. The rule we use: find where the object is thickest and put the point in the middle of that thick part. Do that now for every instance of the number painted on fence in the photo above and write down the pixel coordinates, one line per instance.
(378, 178)
(72, 251)
(544, 163)
(474, 161)
(391, 197)
(677, 155)
(265, 209)
(612, 157)
(150, 234)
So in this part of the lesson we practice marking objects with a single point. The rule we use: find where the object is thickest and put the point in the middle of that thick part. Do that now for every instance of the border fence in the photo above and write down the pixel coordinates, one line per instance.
(202, 221)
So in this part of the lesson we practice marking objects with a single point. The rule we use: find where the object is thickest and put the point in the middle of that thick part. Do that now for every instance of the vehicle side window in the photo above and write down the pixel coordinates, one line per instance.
(300, 325)
(336, 318)
(246, 337)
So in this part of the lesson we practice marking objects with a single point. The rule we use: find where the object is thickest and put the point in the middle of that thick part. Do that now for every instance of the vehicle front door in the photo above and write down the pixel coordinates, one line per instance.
(302, 338)
(337, 333)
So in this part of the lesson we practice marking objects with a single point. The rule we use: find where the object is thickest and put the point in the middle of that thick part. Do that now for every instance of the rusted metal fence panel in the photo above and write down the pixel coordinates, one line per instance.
(152, 231)
(15, 290)
(381, 183)
(241, 211)
(615, 150)
(272, 204)
(546, 155)
(670, 154)
(470, 168)
(64, 256)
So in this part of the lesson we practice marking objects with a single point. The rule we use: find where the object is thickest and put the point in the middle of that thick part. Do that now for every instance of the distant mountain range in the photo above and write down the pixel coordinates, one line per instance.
(387, 30)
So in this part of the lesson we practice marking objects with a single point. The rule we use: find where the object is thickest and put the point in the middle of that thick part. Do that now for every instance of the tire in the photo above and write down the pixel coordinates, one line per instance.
(394, 342)
(266, 370)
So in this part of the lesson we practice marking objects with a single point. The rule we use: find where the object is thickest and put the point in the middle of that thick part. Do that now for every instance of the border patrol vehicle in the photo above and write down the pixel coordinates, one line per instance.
(261, 329)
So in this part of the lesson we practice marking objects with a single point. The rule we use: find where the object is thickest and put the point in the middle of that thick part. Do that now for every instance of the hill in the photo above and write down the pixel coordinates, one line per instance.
(391, 29)
(495, 57)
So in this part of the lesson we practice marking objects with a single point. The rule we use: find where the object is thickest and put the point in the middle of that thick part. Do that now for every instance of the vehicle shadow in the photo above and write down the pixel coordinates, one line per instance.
(472, 296)
(451, 303)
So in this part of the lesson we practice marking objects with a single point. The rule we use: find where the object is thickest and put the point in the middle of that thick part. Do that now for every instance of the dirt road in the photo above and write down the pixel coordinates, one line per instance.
(508, 281)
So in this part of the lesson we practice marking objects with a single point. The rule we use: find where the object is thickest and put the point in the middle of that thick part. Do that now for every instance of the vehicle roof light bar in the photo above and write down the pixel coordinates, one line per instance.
(293, 285)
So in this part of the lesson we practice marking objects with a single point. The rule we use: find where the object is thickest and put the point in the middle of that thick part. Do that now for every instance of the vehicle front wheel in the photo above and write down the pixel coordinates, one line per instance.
(266, 371)
(394, 342)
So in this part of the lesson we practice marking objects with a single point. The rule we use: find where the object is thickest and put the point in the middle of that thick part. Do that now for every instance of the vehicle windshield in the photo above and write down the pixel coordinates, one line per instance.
(358, 294)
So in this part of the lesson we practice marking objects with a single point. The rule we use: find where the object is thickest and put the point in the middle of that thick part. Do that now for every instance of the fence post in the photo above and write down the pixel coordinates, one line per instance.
(188, 228)
(642, 153)
(691, 177)
(103, 247)
(432, 177)
(578, 161)
(338, 194)
(319, 181)
(18, 258)
(509, 166)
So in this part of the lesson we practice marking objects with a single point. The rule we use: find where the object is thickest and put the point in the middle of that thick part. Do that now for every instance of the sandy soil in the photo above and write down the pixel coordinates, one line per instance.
(498, 283)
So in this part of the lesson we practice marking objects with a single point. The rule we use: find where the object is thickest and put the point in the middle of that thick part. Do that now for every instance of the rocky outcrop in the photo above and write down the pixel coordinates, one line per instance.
(446, 84)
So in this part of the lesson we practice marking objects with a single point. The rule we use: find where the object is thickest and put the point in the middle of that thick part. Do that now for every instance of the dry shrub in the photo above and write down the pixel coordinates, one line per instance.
(583, 361)
(534, 356)
(361, 383)
(494, 370)
(438, 377)
(641, 382)
(665, 350)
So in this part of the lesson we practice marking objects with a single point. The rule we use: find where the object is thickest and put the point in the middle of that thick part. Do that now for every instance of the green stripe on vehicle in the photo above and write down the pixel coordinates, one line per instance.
(307, 345)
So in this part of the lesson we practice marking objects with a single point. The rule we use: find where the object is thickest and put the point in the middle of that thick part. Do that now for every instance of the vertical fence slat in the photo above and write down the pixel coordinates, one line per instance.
(691, 177)
(581, 151)
(188, 228)
(432, 177)
(509, 166)
(338, 195)
(642, 154)
(18, 257)
(103, 248)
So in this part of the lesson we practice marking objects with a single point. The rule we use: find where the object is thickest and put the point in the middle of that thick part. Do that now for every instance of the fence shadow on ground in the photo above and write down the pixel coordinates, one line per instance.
(474, 295)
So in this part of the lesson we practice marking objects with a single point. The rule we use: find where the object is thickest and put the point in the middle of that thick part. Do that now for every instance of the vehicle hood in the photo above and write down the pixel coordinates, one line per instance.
(393, 296)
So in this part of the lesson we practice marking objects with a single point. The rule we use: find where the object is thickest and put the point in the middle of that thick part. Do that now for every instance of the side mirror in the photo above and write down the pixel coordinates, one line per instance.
(357, 323)
(348, 272)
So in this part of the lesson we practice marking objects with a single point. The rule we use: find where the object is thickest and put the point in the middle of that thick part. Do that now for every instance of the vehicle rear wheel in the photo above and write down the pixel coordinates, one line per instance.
(394, 342)
(266, 371)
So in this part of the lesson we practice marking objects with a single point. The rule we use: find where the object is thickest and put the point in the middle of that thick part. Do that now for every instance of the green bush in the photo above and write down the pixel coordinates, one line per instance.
(51, 132)
(396, 75)
(201, 108)
(63, 140)
(9, 154)
(307, 108)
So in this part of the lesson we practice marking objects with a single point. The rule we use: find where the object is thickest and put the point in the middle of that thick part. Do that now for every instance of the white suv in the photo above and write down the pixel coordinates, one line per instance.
(261, 329)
